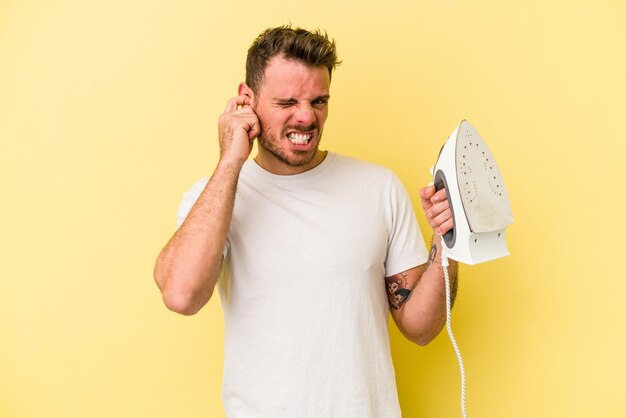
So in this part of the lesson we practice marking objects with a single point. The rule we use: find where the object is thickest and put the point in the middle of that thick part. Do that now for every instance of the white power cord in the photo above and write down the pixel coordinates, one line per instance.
(445, 264)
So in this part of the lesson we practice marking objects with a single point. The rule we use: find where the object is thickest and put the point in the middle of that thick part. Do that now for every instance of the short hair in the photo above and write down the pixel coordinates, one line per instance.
(314, 49)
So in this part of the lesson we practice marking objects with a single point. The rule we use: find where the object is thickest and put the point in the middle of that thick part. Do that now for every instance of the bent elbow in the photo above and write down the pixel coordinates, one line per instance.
(179, 298)
(425, 336)
(423, 340)
(179, 305)
(182, 302)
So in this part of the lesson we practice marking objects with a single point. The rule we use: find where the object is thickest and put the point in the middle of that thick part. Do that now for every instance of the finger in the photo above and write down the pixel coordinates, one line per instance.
(440, 196)
(255, 129)
(251, 119)
(427, 192)
(437, 209)
(441, 219)
(235, 102)
(445, 227)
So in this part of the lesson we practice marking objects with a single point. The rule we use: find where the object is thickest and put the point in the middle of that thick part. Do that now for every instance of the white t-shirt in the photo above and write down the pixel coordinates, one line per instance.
(304, 296)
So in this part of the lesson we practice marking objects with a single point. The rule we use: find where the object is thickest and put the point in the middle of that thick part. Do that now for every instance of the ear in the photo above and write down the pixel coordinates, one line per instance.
(245, 90)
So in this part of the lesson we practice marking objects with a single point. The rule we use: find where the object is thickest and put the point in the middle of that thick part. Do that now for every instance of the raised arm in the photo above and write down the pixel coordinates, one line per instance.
(187, 268)
(417, 296)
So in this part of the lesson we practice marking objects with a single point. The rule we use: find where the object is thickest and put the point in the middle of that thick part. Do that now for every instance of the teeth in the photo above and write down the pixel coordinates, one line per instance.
(298, 138)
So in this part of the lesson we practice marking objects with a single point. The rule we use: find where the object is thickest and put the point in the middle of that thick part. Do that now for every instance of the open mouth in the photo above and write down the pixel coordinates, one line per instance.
(298, 138)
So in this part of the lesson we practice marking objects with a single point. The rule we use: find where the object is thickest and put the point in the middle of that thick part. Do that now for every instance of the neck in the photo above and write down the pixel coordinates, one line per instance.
(270, 163)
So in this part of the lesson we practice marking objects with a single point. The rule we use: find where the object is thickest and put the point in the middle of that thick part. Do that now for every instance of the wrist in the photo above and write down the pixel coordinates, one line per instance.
(231, 162)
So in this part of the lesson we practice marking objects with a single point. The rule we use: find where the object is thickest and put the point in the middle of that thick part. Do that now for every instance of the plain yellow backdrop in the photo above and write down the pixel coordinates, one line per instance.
(108, 114)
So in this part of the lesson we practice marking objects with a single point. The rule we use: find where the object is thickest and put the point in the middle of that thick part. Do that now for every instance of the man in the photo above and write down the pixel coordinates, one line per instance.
(310, 249)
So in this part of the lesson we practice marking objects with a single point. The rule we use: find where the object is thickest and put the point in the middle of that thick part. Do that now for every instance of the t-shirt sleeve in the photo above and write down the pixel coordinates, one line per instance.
(190, 197)
(406, 248)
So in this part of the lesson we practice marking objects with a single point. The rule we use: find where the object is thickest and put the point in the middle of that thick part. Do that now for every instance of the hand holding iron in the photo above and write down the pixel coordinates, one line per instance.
(437, 209)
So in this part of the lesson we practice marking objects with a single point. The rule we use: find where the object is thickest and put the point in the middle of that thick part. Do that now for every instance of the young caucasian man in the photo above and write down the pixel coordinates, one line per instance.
(310, 250)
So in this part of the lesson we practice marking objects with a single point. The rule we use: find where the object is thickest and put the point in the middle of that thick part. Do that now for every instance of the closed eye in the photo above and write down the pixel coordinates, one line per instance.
(317, 102)
(286, 102)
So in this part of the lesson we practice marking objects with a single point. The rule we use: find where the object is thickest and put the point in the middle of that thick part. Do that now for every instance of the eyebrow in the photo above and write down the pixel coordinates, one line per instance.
(285, 100)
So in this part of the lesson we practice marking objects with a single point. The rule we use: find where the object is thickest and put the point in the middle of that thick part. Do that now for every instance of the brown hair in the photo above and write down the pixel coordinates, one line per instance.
(314, 49)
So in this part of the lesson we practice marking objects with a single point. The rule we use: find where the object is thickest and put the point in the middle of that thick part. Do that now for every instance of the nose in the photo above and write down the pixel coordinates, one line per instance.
(304, 115)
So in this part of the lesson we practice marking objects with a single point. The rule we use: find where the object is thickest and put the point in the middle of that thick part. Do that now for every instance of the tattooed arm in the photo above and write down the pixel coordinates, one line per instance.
(417, 296)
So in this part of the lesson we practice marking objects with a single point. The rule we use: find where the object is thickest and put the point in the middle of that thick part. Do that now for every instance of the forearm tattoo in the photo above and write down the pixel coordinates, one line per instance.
(397, 290)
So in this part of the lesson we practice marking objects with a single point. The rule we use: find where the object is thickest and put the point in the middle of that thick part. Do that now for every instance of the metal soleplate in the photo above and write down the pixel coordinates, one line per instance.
(485, 200)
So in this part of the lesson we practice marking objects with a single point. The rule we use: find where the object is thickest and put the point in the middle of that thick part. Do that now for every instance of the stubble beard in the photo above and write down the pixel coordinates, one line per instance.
(268, 140)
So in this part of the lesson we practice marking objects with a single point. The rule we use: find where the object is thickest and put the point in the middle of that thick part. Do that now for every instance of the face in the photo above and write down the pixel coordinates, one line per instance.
(292, 106)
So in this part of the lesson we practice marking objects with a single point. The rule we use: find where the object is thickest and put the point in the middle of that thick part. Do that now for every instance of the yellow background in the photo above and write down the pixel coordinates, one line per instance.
(108, 114)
